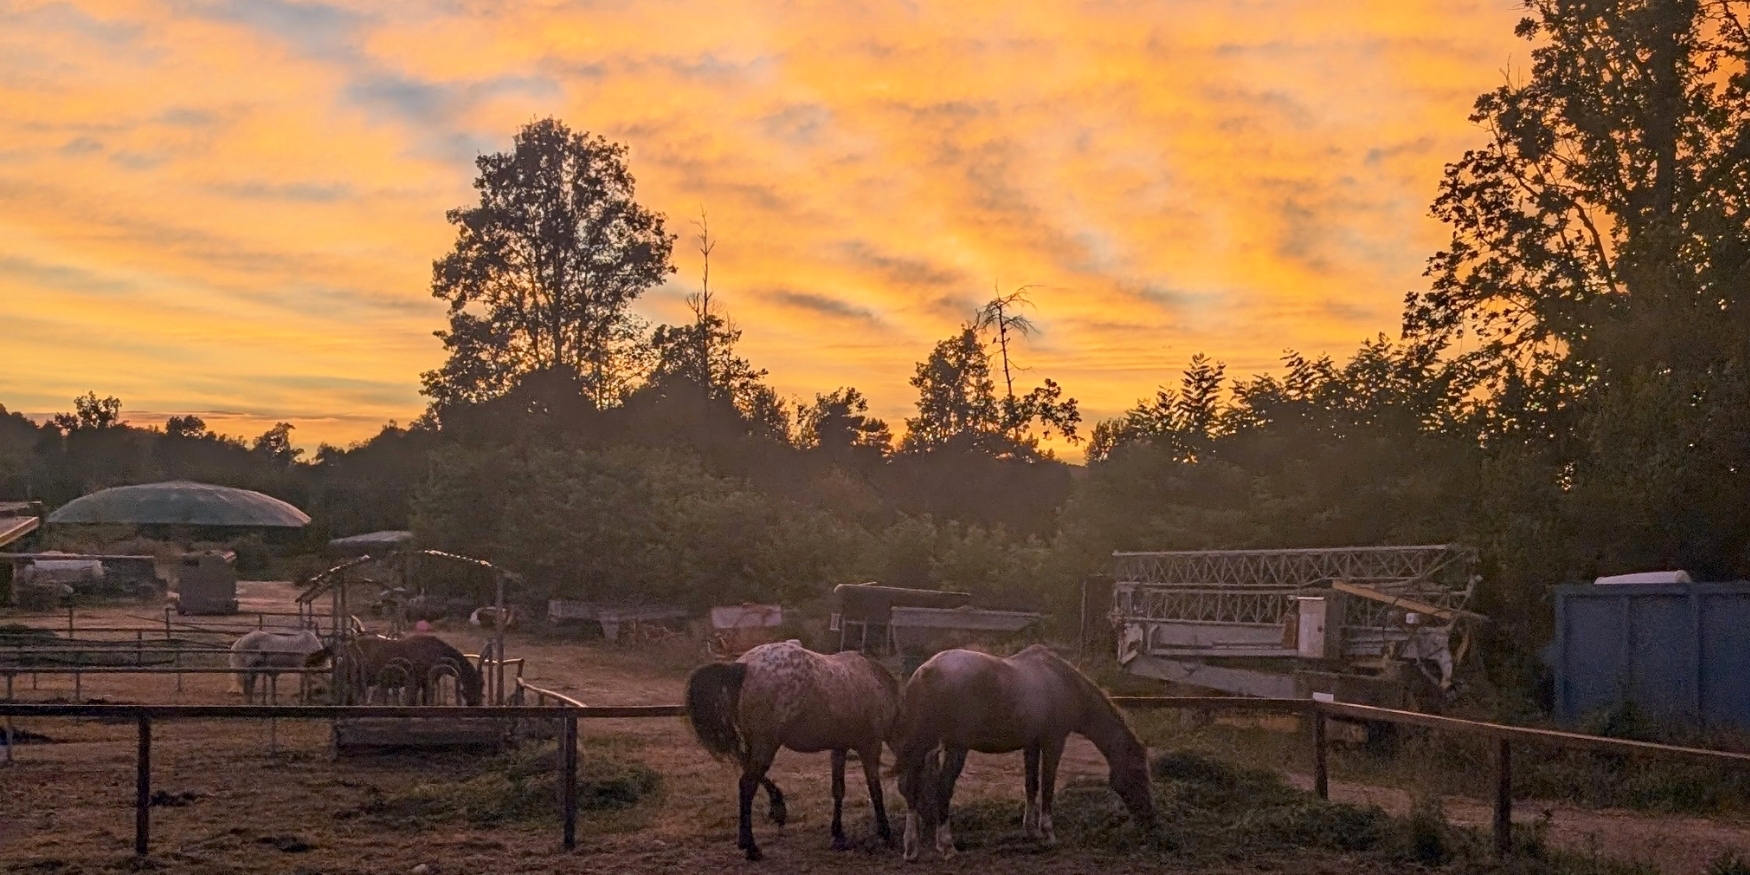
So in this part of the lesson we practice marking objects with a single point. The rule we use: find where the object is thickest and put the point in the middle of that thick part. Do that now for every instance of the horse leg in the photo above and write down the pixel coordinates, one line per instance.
(871, 760)
(921, 797)
(953, 760)
(753, 773)
(1030, 813)
(1053, 751)
(838, 800)
(775, 799)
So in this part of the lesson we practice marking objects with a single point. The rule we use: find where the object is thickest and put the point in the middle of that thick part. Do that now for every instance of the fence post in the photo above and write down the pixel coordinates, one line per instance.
(273, 724)
(143, 786)
(1504, 800)
(568, 781)
(1321, 770)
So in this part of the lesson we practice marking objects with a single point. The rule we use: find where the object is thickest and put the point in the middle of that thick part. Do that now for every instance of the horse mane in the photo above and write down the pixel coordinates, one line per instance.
(1090, 691)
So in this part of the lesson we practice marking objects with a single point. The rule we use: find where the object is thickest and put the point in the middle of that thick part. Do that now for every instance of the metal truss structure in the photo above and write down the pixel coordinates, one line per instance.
(1259, 586)
(1424, 571)
(1242, 603)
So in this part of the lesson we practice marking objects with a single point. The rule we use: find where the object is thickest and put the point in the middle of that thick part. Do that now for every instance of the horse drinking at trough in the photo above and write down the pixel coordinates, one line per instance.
(963, 700)
(414, 663)
(264, 652)
(784, 695)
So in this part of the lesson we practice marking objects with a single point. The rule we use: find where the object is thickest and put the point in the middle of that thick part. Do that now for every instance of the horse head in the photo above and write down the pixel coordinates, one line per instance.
(1128, 777)
(469, 684)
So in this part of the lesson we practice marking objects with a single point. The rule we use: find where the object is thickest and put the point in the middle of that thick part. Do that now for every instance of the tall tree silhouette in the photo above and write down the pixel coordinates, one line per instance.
(1605, 224)
(1004, 318)
(544, 267)
(957, 403)
(702, 354)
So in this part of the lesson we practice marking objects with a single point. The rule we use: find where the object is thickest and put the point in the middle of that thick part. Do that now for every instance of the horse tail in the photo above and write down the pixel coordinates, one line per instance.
(714, 706)
(241, 659)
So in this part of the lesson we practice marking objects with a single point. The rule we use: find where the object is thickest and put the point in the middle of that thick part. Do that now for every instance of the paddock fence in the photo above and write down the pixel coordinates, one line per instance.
(568, 713)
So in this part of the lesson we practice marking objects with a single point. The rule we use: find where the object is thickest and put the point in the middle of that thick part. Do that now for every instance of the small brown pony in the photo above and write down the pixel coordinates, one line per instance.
(371, 659)
(783, 695)
(963, 700)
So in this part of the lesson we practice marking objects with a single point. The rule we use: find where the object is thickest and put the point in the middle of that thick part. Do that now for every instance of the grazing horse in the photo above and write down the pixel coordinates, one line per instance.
(265, 652)
(963, 700)
(371, 659)
(782, 695)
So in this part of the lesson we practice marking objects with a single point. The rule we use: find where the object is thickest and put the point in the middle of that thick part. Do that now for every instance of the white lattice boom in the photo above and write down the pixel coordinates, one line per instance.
(1258, 586)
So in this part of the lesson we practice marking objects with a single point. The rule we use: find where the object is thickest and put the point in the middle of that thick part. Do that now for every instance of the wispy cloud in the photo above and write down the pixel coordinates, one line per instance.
(821, 305)
(254, 189)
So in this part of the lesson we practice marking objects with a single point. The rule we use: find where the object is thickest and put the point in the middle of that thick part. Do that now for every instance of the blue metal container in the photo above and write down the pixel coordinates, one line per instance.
(1678, 652)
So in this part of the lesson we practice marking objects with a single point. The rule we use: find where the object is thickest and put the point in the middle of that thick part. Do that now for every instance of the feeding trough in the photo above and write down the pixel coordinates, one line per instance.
(615, 620)
(864, 619)
(358, 735)
(910, 625)
(736, 629)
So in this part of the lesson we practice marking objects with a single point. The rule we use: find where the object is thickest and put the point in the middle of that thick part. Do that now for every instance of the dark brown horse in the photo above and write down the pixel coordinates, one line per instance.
(415, 663)
(782, 695)
(963, 700)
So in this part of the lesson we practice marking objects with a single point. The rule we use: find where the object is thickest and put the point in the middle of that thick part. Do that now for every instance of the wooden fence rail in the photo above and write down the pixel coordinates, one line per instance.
(1317, 713)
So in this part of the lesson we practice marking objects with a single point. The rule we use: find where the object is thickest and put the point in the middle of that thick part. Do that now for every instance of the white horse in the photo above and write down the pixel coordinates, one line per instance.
(264, 652)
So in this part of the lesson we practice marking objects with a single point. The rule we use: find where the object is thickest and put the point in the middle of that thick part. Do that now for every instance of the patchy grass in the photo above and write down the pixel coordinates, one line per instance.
(1729, 864)
(1214, 813)
(1427, 761)
(519, 788)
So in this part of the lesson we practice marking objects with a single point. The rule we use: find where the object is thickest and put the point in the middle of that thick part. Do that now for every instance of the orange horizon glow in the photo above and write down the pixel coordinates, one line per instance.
(231, 208)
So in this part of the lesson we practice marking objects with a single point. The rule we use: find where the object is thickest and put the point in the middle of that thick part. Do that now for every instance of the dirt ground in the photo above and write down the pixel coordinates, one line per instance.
(234, 806)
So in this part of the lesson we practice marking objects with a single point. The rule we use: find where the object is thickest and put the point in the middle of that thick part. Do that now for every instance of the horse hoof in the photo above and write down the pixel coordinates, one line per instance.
(753, 853)
(840, 844)
(779, 814)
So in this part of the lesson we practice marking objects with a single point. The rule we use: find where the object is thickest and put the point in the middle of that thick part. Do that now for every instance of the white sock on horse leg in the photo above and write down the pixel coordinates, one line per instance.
(1030, 819)
(944, 839)
(911, 835)
(1045, 830)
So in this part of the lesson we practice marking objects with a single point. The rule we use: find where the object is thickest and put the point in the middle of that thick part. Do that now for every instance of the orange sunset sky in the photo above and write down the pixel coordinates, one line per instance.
(231, 208)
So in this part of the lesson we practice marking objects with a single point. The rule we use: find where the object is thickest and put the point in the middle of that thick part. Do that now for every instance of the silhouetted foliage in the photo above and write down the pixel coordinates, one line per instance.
(838, 425)
(544, 267)
(90, 413)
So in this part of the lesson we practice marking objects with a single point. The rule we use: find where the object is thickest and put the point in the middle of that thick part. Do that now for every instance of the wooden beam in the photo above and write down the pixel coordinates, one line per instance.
(1404, 602)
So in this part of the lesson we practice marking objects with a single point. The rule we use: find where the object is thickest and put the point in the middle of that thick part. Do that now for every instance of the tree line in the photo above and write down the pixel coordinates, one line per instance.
(1568, 394)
